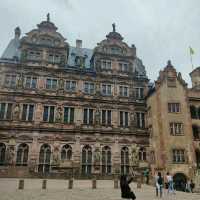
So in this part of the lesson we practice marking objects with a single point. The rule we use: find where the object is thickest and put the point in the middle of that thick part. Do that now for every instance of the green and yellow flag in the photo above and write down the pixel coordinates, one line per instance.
(191, 51)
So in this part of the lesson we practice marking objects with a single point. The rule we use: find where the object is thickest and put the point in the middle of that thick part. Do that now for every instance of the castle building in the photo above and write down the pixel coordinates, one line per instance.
(173, 121)
(66, 109)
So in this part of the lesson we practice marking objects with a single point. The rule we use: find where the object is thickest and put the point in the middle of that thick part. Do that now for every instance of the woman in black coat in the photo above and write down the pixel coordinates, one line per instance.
(125, 188)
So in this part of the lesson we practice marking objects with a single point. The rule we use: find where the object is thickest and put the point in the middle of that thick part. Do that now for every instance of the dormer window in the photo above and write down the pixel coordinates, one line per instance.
(106, 64)
(123, 66)
(46, 41)
(34, 55)
(54, 58)
(116, 50)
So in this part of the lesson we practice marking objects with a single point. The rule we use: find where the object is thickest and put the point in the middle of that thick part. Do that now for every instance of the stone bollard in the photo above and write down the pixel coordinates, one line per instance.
(116, 183)
(70, 183)
(21, 185)
(44, 184)
(94, 183)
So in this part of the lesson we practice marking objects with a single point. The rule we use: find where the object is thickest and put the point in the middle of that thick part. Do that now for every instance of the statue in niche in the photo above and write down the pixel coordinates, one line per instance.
(134, 156)
(10, 155)
(20, 82)
(97, 156)
(56, 159)
(61, 84)
(97, 117)
(16, 112)
(59, 114)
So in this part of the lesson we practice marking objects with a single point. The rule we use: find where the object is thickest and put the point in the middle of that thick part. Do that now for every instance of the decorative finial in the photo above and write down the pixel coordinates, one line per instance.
(17, 32)
(48, 17)
(114, 27)
(169, 63)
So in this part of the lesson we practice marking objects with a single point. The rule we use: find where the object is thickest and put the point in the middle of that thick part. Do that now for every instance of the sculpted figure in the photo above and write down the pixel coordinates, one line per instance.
(97, 156)
(97, 117)
(16, 112)
(59, 114)
(61, 84)
(56, 159)
(134, 156)
(10, 155)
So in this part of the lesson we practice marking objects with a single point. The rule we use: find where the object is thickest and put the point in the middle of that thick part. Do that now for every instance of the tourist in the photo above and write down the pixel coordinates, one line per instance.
(159, 184)
(192, 186)
(146, 175)
(170, 184)
(125, 188)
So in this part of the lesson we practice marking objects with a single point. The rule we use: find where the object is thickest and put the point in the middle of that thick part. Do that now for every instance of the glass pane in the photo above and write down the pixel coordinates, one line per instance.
(46, 113)
(103, 116)
(28, 82)
(9, 111)
(126, 119)
(109, 117)
(51, 116)
(2, 110)
(34, 83)
(85, 116)
(31, 111)
(24, 111)
(90, 116)
(48, 84)
(121, 118)
(66, 112)
(71, 115)
(54, 84)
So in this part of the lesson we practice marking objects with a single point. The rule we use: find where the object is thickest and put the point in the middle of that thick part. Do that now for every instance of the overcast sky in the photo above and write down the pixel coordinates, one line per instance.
(160, 29)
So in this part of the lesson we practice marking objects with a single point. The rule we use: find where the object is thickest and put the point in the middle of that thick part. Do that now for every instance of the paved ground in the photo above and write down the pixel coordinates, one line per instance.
(57, 190)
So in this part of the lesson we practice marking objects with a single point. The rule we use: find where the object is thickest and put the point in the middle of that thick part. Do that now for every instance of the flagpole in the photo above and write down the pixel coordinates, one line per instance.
(191, 61)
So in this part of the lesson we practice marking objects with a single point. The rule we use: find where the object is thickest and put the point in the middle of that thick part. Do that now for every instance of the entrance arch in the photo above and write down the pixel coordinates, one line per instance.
(180, 181)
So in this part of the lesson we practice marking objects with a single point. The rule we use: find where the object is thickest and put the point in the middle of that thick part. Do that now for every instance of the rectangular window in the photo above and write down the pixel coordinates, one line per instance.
(178, 155)
(68, 115)
(5, 111)
(34, 55)
(89, 88)
(123, 91)
(173, 107)
(176, 128)
(88, 116)
(70, 86)
(30, 82)
(106, 64)
(54, 58)
(139, 93)
(49, 113)
(140, 117)
(27, 112)
(123, 67)
(106, 117)
(124, 119)
(106, 89)
(51, 84)
(10, 81)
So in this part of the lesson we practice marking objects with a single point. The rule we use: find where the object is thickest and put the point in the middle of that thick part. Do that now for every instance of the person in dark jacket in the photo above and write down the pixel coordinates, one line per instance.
(125, 188)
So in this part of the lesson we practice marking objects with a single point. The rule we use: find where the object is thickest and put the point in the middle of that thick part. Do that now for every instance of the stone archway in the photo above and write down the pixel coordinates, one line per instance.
(180, 181)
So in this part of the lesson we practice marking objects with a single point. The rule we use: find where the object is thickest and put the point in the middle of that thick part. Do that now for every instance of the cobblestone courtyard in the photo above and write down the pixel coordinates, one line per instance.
(57, 190)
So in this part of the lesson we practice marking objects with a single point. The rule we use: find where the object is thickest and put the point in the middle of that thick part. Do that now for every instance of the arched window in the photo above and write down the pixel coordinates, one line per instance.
(142, 154)
(66, 152)
(22, 155)
(124, 160)
(193, 112)
(2, 153)
(106, 160)
(44, 158)
(87, 160)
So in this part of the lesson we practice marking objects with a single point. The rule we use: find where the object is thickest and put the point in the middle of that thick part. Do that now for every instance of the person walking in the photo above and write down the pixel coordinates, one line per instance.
(125, 188)
(192, 186)
(170, 184)
(159, 184)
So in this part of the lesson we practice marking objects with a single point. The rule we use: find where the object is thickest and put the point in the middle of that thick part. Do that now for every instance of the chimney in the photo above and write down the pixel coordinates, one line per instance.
(17, 32)
(134, 49)
(78, 43)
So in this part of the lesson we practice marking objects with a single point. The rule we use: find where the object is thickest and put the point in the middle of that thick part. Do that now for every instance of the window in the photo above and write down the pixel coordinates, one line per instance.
(142, 154)
(88, 116)
(49, 113)
(70, 86)
(106, 117)
(123, 67)
(106, 64)
(106, 160)
(30, 82)
(178, 155)
(89, 88)
(2, 154)
(10, 81)
(54, 58)
(140, 117)
(116, 50)
(123, 91)
(139, 93)
(87, 160)
(66, 152)
(22, 155)
(51, 84)
(124, 119)
(193, 111)
(106, 89)
(68, 115)
(125, 160)
(44, 158)
(196, 132)
(5, 111)
(173, 107)
(176, 128)
(27, 112)
(34, 55)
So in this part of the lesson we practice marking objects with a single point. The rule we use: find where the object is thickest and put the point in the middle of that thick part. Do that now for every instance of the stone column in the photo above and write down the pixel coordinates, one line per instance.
(116, 157)
(76, 156)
